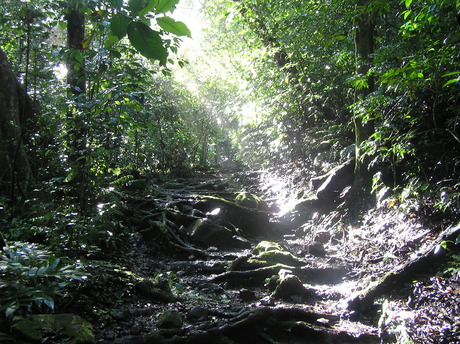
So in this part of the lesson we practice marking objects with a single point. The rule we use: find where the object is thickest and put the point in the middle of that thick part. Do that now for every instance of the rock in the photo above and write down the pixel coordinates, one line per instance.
(333, 183)
(275, 257)
(290, 288)
(317, 249)
(206, 233)
(170, 319)
(155, 291)
(251, 222)
(246, 295)
(265, 246)
(198, 213)
(198, 313)
(41, 328)
(272, 283)
(322, 237)
(249, 200)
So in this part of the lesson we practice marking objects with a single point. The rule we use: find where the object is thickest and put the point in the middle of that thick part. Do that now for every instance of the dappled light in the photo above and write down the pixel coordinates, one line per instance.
(251, 171)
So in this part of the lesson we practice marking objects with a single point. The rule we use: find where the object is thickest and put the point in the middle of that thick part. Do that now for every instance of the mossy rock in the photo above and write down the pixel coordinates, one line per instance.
(248, 200)
(39, 328)
(265, 246)
(170, 319)
(155, 291)
(274, 257)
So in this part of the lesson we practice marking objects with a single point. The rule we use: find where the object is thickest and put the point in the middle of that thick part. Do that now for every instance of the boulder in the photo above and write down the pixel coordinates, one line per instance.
(170, 319)
(248, 200)
(198, 313)
(275, 257)
(265, 246)
(41, 328)
(251, 222)
(206, 233)
(155, 291)
(331, 185)
(290, 288)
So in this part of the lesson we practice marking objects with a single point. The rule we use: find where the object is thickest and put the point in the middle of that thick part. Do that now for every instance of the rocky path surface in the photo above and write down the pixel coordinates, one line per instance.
(207, 261)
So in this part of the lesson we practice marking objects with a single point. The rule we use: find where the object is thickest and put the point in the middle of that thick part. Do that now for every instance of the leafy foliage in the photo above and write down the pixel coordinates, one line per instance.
(32, 277)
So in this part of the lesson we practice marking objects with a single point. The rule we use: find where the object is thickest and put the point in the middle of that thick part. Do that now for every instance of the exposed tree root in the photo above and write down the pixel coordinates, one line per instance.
(430, 257)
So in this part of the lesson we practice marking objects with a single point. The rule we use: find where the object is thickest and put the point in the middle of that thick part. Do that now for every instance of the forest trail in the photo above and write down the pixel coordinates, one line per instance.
(210, 270)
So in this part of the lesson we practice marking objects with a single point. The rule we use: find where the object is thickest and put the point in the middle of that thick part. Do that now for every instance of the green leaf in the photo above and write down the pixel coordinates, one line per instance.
(149, 7)
(451, 81)
(135, 6)
(408, 2)
(166, 6)
(147, 42)
(175, 27)
(48, 300)
(452, 73)
(119, 25)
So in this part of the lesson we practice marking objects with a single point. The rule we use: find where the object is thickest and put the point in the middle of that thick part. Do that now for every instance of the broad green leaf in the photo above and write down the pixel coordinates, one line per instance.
(408, 2)
(110, 40)
(149, 7)
(135, 6)
(119, 25)
(175, 27)
(166, 6)
(147, 42)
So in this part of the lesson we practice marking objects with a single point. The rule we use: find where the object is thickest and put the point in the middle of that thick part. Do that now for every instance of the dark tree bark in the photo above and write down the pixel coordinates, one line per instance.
(15, 171)
(364, 48)
(76, 118)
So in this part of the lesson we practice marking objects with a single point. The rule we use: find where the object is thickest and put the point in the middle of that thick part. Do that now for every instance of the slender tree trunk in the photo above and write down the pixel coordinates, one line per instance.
(364, 48)
(15, 172)
(76, 116)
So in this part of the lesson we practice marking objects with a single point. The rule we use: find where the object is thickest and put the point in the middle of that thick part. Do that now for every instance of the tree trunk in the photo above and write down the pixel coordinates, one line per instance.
(364, 48)
(76, 116)
(15, 172)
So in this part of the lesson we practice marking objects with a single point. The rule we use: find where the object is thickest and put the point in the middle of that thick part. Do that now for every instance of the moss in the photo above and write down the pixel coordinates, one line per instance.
(265, 246)
(275, 257)
(248, 200)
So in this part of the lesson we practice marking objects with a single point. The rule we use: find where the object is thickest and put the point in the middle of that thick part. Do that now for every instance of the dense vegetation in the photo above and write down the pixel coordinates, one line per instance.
(98, 99)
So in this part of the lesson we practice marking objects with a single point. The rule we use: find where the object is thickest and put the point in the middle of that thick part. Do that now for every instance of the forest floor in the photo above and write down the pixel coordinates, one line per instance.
(266, 278)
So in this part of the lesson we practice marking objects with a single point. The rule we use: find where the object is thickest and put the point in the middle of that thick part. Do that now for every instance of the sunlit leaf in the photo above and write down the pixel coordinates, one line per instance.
(149, 7)
(166, 6)
(451, 81)
(147, 41)
(175, 27)
(119, 25)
